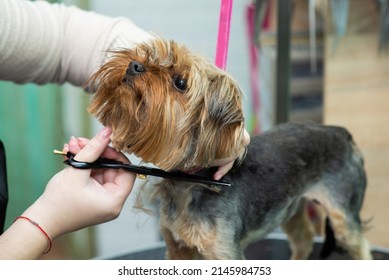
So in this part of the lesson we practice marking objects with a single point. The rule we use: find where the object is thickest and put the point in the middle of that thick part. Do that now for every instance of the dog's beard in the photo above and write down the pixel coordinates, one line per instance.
(170, 128)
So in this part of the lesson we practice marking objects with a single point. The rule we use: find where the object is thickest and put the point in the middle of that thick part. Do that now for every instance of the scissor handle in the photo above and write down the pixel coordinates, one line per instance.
(175, 175)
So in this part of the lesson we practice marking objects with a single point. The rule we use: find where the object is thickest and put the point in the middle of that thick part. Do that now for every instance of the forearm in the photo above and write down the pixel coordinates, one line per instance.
(22, 241)
(52, 43)
(26, 240)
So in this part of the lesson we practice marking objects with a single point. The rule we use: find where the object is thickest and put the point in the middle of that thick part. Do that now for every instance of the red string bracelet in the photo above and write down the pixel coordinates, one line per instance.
(40, 228)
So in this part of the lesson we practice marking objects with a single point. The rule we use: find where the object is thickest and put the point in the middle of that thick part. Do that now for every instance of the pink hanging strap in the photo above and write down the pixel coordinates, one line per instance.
(254, 71)
(254, 62)
(223, 34)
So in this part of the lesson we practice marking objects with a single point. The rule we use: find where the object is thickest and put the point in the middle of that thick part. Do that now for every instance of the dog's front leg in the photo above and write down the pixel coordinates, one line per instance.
(221, 245)
(223, 253)
(176, 250)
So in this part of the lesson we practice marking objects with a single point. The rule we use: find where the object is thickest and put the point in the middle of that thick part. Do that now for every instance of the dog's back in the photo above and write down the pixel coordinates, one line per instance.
(295, 163)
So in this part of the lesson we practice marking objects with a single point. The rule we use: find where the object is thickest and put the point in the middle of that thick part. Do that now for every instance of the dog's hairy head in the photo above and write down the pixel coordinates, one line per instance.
(169, 106)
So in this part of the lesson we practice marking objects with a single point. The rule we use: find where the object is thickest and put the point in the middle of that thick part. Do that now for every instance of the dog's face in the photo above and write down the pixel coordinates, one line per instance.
(168, 106)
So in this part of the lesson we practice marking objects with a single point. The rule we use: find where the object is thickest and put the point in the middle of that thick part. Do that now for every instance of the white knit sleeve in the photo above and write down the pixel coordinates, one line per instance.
(53, 43)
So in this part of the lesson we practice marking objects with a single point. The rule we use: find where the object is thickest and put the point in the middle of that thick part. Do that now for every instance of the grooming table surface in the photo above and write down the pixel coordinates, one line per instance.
(273, 248)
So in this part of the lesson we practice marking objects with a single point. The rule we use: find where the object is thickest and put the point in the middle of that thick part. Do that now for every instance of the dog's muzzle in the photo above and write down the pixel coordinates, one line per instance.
(135, 68)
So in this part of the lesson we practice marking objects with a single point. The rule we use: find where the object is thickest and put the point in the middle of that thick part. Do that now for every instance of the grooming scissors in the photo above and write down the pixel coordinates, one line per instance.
(143, 170)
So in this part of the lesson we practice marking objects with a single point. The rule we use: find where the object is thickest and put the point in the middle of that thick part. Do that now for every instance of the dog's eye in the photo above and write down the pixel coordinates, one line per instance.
(179, 83)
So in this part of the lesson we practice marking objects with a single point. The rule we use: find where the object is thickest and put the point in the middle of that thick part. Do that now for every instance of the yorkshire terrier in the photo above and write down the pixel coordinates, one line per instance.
(176, 110)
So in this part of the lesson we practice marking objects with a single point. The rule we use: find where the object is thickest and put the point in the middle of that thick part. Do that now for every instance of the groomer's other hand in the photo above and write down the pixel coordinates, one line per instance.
(75, 198)
(225, 165)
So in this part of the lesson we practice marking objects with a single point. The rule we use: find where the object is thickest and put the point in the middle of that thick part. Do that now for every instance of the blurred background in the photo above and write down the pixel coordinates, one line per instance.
(324, 61)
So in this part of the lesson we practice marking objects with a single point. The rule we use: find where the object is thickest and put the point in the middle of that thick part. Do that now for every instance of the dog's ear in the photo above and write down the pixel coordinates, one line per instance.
(222, 127)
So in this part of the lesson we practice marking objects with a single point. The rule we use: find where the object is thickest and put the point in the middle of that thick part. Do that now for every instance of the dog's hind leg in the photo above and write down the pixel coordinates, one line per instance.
(300, 232)
(341, 193)
(348, 234)
(344, 220)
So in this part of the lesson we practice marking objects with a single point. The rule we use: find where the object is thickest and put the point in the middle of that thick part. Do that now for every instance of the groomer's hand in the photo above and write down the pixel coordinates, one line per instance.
(225, 165)
(75, 198)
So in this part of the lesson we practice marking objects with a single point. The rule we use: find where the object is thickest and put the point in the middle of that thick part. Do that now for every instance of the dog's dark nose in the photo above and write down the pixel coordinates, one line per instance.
(135, 68)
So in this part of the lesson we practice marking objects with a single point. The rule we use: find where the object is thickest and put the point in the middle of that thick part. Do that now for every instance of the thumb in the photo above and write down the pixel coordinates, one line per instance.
(95, 147)
(222, 170)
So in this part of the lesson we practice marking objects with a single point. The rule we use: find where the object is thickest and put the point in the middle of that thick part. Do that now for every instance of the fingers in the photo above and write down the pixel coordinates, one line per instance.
(89, 150)
(76, 144)
(225, 165)
(126, 181)
(246, 136)
(95, 147)
(222, 170)
(73, 146)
